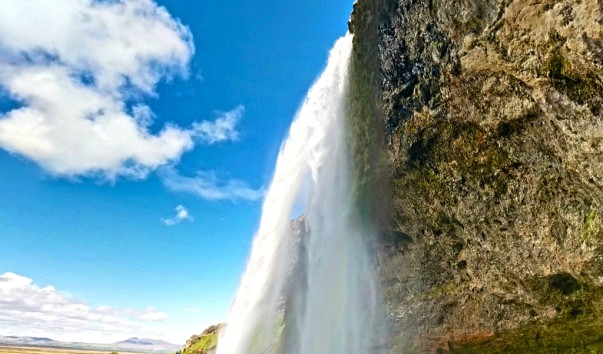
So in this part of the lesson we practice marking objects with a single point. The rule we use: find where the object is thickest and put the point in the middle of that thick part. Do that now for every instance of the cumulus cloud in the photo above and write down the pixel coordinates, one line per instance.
(28, 309)
(75, 70)
(181, 215)
(208, 186)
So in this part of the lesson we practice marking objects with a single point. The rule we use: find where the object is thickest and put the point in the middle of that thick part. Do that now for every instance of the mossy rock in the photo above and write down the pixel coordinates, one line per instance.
(564, 335)
(205, 343)
(579, 88)
(491, 112)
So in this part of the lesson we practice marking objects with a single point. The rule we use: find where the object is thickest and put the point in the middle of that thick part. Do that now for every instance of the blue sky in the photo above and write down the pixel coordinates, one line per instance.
(133, 162)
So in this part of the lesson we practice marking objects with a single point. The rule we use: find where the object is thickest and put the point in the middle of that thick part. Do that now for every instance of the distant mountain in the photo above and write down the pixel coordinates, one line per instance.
(144, 341)
(141, 345)
(26, 340)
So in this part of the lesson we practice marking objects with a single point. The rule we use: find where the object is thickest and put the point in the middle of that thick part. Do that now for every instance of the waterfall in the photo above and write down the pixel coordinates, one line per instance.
(310, 288)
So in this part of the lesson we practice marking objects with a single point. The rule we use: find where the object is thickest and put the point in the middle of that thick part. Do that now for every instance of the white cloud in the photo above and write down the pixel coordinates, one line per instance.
(222, 129)
(150, 314)
(208, 186)
(28, 309)
(181, 215)
(76, 68)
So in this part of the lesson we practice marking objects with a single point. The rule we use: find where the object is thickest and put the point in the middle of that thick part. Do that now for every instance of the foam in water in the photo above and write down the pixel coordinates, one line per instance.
(311, 291)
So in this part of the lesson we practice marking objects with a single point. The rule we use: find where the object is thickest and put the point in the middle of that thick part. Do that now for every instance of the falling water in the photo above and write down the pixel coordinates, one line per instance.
(310, 290)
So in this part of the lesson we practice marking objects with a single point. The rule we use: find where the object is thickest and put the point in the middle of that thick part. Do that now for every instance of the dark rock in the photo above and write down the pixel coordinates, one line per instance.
(480, 122)
(564, 283)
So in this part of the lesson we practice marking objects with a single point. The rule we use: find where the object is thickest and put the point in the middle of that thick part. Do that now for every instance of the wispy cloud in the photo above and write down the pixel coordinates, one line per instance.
(181, 215)
(26, 308)
(222, 129)
(208, 186)
(150, 314)
(75, 70)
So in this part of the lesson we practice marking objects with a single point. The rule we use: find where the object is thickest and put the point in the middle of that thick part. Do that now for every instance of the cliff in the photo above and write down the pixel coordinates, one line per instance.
(205, 343)
(481, 122)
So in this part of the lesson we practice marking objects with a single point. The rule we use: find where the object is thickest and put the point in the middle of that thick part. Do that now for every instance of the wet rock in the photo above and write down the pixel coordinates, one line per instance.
(484, 118)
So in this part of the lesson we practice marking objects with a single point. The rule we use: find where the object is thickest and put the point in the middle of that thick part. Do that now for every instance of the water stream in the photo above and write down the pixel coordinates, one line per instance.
(309, 286)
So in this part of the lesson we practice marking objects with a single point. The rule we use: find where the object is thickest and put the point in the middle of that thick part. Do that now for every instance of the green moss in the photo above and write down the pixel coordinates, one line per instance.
(445, 290)
(448, 152)
(204, 344)
(581, 88)
(449, 143)
(475, 25)
(562, 336)
(590, 222)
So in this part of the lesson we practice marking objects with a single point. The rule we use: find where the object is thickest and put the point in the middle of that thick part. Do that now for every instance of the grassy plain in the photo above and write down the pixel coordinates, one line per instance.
(43, 350)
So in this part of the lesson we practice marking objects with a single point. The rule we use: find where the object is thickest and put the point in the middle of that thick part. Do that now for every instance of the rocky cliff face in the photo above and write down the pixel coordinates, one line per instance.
(490, 114)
